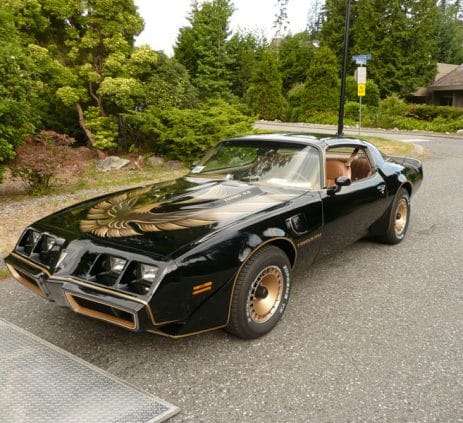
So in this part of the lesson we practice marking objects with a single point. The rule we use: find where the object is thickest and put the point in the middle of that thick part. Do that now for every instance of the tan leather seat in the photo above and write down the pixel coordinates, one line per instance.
(360, 168)
(335, 168)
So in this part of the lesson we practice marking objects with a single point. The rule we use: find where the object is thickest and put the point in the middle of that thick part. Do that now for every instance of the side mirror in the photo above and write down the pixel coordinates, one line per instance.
(340, 181)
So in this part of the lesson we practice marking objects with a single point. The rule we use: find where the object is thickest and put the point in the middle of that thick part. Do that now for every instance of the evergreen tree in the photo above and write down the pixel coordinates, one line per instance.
(315, 18)
(264, 95)
(321, 90)
(332, 31)
(295, 52)
(201, 47)
(449, 34)
(400, 36)
(401, 39)
(242, 50)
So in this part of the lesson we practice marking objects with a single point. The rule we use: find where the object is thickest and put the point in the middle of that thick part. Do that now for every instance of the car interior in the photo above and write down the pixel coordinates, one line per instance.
(351, 162)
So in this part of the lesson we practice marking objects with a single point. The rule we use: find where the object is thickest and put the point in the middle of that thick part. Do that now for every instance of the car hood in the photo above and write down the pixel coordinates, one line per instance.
(161, 218)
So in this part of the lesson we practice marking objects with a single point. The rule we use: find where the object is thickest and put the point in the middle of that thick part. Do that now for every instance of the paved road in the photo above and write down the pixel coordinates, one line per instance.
(409, 136)
(373, 334)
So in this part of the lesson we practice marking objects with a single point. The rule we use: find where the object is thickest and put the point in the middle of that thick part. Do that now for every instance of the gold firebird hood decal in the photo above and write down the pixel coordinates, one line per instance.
(121, 215)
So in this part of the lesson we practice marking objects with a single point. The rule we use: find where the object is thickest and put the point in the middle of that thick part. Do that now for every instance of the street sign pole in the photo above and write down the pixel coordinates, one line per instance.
(360, 115)
(361, 77)
(344, 71)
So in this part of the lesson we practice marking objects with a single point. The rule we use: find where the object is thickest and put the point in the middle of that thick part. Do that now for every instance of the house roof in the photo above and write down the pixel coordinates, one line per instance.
(443, 70)
(451, 81)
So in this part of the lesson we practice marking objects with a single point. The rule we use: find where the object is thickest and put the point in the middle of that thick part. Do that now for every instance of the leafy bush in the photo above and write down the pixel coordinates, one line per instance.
(185, 134)
(104, 129)
(428, 113)
(41, 157)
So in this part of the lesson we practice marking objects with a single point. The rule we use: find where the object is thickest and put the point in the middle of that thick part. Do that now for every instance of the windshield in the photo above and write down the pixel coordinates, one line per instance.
(278, 164)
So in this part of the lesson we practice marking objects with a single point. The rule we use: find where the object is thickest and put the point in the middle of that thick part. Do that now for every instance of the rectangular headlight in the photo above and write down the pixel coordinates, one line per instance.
(48, 243)
(33, 237)
(148, 272)
(116, 264)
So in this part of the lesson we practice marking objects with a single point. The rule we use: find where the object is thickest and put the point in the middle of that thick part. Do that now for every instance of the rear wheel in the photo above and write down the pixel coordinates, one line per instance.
(261, 293)
(398, 219)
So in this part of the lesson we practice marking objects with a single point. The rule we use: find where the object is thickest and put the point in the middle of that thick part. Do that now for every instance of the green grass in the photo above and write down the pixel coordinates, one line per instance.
(391, 147)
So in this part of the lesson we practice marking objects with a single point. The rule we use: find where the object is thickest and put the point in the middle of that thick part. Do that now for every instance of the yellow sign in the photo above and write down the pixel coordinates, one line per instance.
(361, 90)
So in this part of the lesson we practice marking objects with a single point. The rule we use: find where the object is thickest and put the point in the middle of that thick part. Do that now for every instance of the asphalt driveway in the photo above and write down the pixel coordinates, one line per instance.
(372, 334)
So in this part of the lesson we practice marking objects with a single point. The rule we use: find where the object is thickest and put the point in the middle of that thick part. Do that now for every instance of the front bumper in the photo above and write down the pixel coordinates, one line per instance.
(100, 303)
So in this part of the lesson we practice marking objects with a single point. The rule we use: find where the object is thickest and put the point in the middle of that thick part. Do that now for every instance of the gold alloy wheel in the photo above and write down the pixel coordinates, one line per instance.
(401, 217)
(266, 293)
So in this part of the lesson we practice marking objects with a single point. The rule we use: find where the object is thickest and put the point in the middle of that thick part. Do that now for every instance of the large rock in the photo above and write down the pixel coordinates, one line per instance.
(154, 161)
(460, 132)
(111, 163)
(173, 165)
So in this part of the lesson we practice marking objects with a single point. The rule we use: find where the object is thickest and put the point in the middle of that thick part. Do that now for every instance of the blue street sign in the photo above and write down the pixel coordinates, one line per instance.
(361, 59)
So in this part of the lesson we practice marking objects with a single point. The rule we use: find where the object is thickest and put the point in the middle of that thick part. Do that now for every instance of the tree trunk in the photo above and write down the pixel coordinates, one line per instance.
(97, 98)
(88, 133)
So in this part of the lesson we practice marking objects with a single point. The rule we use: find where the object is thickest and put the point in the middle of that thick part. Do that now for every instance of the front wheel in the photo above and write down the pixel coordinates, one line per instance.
(261, 293)
(398, 219)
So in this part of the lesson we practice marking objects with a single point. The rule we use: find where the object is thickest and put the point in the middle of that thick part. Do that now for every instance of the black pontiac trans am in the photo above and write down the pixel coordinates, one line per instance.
(215, 249)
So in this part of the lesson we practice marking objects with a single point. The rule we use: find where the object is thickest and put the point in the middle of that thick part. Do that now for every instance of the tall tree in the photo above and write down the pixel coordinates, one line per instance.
(400, 35)
(332, 31)
(265, 96)
(449, 34)
(401, 39)
(242, 50)
(92, 38)
(321, 88)
(281, 22)
(315, 18)
(295, 52)
(201, 46)
(17, 89)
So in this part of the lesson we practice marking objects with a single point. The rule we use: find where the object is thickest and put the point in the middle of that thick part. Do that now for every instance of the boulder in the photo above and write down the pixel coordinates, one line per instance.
(173, 165)
(154, 161)
(111, 163)
(460, 132)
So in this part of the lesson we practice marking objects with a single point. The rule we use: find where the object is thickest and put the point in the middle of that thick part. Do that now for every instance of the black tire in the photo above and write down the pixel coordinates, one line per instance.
(399, 218)
(261, 293)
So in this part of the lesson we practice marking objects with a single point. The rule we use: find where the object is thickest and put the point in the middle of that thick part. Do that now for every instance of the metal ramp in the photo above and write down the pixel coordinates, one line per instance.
(40, 382)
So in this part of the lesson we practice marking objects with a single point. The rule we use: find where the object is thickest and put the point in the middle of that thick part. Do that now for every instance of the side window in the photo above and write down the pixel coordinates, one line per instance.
(347, 161)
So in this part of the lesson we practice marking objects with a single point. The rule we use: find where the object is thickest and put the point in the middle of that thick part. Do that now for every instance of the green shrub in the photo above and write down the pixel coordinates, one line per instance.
(104, 129)
(372, 92)
(393, 106)
(428, 113)
(185, 134)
